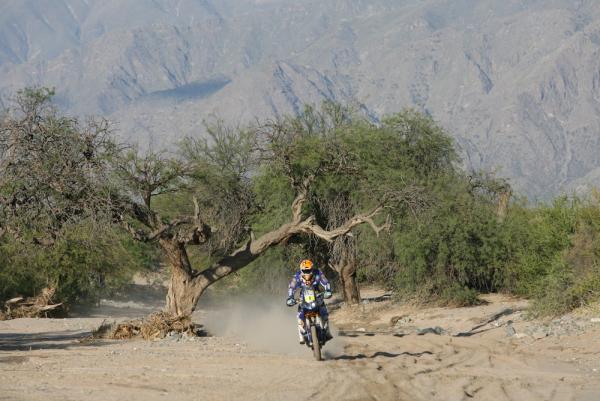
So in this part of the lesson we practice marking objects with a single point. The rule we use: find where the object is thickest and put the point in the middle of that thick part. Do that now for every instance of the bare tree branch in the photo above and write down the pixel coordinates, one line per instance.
(384, 227)
(255, 247)
(196, 208)
(329, 235)
(301, 198)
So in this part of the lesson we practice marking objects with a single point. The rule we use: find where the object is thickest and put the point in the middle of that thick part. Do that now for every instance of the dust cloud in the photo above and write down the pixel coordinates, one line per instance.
(266, 324)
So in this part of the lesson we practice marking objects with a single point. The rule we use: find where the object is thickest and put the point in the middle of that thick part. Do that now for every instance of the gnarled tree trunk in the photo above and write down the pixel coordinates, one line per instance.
(343, 253)
(184, 292)
(185, 287)
(349, 284)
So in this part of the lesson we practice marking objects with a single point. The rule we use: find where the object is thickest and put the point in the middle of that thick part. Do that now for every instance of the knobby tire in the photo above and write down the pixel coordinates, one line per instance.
(316, 345)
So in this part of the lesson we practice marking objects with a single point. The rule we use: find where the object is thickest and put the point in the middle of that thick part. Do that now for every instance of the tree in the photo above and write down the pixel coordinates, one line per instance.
(342, 252)
(393, 160)
(53, 171)
(216, 174)
(56, 203)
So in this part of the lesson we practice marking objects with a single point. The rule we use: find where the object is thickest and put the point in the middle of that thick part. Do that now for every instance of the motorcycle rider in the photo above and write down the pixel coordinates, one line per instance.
(309, 277)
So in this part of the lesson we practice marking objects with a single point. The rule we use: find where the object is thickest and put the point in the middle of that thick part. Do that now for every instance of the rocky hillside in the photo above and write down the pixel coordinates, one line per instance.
(517, 82)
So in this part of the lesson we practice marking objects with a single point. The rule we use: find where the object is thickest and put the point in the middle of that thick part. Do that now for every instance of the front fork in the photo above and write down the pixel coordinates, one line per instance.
(304, 327)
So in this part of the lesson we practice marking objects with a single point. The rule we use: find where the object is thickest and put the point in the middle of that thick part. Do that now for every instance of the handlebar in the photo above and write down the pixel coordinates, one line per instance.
(319, 295)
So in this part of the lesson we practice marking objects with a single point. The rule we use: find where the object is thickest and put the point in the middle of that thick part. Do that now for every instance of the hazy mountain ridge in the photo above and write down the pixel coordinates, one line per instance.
(516, 82)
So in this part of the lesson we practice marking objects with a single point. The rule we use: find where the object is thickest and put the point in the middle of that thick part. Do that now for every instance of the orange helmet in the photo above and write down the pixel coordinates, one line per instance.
(306, 267)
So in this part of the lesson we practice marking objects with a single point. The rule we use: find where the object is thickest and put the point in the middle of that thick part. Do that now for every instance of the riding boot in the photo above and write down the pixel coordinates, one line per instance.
(328, 335)
(300, 335)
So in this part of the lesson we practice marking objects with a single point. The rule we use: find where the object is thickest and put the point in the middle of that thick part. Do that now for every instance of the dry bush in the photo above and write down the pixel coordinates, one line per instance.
(38, 306)
(153, 327)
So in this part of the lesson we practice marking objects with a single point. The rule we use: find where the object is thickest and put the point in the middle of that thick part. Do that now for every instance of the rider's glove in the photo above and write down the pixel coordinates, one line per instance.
(327, 294)
(290, 302)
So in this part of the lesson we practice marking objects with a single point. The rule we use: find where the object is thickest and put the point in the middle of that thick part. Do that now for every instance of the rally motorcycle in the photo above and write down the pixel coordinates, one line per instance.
(313, 331)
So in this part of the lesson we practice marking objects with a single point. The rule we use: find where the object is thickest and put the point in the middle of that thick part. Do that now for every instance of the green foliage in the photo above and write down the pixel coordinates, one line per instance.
(538, 238)
(450, 246)
(219, 169)
(86, 262)
(53, 170)
(456, 295)
(557, 255)
(354, 165)
(417, 145)
(548, 253)
(56, 207)
(449, 239)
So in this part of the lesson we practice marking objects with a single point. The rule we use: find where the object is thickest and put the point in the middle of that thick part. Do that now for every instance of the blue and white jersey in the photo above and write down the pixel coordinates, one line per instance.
(319, 279)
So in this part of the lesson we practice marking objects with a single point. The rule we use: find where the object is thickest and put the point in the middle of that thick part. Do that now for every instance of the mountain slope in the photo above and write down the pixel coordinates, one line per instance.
(517, 83)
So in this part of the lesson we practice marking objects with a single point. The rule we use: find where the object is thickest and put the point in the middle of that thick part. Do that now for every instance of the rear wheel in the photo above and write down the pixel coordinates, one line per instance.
(316, 345)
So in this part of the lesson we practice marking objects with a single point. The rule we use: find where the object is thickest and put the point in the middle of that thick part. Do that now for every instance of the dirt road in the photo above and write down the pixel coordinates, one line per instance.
(383, 352)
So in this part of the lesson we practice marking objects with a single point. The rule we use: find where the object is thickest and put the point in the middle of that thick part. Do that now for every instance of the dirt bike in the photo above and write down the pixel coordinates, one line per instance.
(314, 333)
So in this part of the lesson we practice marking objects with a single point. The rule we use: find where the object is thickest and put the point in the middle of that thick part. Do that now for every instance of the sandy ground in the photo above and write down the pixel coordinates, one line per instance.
(383, 351)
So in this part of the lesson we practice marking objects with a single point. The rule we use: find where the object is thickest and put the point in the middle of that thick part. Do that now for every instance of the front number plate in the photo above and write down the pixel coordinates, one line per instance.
(309, 296)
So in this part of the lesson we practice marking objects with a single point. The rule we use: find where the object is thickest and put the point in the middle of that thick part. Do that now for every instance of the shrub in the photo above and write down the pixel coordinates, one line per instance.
(88, 261)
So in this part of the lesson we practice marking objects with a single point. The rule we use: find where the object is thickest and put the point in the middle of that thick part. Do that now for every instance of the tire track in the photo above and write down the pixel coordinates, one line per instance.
(445, 368)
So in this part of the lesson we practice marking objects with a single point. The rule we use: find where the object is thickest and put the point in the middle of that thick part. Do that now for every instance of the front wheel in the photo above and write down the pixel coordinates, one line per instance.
(316, 345)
